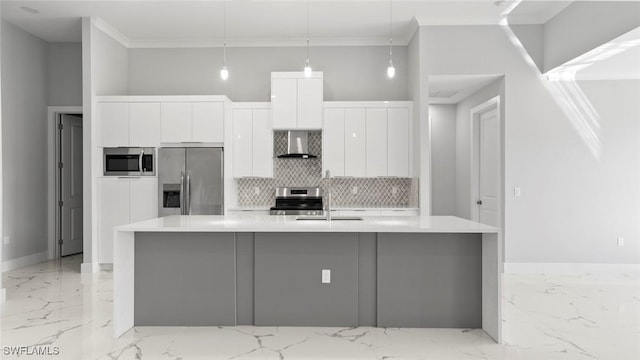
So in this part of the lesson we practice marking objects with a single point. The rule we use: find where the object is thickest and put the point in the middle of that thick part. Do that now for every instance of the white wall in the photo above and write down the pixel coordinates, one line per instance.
(419, 91)
(24, 110)
(2, 289)
(463, 143)
(350, 73)
(443, 159)
(65, 74)
(111, 62)
(574, 204)
(585, 25)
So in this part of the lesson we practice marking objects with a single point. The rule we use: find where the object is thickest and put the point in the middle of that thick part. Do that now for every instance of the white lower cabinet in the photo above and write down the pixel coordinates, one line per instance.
(123, 200)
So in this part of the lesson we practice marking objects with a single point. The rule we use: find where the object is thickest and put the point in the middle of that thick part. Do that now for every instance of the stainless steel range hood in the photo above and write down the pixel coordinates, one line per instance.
(297, 145)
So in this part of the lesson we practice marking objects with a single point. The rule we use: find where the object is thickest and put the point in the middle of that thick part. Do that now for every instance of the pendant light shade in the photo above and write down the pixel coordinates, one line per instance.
(224, 72)
(391, 70)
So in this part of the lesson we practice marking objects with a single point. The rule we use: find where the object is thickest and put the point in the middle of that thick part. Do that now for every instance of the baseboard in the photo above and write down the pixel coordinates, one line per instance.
(24, 261)
(570, 268)
(89, 268)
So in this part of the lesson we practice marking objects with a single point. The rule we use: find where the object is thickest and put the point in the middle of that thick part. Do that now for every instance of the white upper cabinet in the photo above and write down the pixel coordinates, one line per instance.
(376, 142)
(128, 124)
(252, 141)
(355, 155)
(399, 137)
(333, 142)
(284, 102)
(296, 100)
(367, 139)
(207, 122)
(176, 122)
(192, 122)
(144, 124)
(113, 124)
(262, 143)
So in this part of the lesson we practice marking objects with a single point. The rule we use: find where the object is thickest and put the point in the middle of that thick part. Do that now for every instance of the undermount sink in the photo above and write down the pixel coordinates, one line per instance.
(337, 218)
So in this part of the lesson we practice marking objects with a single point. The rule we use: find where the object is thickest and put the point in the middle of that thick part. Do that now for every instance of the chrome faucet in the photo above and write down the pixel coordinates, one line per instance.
(327, 205)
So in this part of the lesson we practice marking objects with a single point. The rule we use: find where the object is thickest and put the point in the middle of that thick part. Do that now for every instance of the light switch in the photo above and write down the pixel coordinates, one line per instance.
(326, 276)
(394, 190)
(354, 190)
(517, 192)
(256, 190)
(620, 241)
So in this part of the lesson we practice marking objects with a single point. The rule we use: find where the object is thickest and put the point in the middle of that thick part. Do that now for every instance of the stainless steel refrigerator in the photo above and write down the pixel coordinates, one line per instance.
(190, 181)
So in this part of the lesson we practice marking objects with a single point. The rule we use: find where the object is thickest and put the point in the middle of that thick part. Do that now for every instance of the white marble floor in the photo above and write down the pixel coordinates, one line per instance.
(53, 312)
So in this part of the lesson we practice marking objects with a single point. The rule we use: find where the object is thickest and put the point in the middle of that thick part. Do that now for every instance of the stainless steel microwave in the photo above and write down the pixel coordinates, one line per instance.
(123, 161)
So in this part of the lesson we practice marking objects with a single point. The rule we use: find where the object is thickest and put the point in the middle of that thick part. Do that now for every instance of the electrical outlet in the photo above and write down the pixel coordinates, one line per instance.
(394, 190)
(517, 192)
(354, 190)
(326, 276)
(620, 241)
(7, 240)
(256, 190)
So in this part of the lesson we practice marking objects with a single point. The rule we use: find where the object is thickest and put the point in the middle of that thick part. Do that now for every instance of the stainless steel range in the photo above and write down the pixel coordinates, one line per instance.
(298, 201)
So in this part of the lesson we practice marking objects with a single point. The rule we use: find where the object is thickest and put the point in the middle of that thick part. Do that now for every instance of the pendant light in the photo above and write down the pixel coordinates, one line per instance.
(224, 72)
(307, 67)
(391, 70)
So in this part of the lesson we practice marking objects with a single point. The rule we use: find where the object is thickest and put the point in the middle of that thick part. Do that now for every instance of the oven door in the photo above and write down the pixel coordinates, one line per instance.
(129, 162)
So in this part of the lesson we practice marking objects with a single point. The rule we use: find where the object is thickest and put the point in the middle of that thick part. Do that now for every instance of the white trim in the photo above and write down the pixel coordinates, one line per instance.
(296, 75)
(251, 105)
(111, 31)
(52, 112)
(89, 268)
(162, 98)
(368, 104)
(275, 42)
(24, 261)
(3, 295)
(570, 268)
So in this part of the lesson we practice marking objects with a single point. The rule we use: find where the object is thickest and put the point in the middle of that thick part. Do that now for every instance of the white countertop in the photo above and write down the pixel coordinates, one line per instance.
(269, 223)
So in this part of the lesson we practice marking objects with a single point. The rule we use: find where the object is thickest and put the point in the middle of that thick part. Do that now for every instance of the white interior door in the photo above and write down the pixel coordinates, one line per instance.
(71, 184)
(489, 157)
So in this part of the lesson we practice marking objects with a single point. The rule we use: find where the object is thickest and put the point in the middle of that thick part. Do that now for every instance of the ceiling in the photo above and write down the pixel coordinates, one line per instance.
(452, 89)
(263, 22)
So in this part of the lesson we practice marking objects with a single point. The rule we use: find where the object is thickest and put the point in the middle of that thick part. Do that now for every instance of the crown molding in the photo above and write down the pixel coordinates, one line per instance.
(111, 31)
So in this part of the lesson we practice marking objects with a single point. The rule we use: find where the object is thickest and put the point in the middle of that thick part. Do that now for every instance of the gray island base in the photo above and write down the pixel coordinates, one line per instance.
(389, 278)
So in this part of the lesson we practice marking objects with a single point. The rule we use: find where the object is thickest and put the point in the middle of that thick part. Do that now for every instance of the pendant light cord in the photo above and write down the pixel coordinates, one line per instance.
(390, 29)
(224, 33)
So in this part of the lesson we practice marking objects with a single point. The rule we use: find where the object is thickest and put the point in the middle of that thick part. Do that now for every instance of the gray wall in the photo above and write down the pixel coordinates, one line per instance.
(584, 25)
(443, 159)
(110, 65)
(463, 146)
(532, 38)
(566, 211)
(65, 74)
(24, 109)
(350, 73)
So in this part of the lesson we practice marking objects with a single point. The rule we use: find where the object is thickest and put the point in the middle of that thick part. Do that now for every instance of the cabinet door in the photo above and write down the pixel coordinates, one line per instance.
(242, 143)
(310, 103)
(354, 143)
(113, 124)
(284, 103)
(113, 203)
(398, 139)
(175, 122)
(333, 142)
(376, 142)
(208, 122)
(144, 124)
(143, 199)
(262, 143)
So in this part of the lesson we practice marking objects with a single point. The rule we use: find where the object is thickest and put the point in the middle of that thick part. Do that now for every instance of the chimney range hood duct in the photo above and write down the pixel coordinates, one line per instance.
(297, 145)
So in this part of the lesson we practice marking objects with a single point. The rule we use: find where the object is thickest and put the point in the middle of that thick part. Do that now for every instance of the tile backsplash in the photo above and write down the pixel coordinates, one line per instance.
(346, 192)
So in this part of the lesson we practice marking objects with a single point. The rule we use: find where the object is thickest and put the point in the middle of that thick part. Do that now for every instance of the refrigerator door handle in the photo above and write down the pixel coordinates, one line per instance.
(188, 194)
(182, 204)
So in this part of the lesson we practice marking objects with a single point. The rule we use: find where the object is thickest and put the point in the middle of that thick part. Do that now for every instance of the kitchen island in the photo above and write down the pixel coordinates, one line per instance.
(431, 271)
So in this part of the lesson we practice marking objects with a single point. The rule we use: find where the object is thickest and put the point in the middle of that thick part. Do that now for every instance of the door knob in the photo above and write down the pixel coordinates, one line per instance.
(479, 202)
